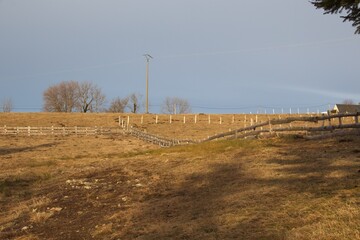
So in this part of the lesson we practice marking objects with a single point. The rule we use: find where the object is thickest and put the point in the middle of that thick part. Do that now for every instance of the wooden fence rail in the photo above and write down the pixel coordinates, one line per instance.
(226, 119)
(271, 126)
(33, 131)
(161, 141)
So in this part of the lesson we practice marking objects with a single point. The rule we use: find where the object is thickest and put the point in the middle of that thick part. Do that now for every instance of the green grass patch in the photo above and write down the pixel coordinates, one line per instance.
(127, 154)
(21, 185)
(211, 148)
(40, 163)
(65, 158)
(18, 186)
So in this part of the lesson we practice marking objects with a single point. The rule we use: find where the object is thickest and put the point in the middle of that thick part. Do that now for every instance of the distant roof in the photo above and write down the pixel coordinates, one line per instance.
(347, 108)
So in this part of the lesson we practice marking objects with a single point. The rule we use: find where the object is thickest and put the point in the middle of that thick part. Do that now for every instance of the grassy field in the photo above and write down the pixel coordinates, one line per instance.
(189, 126)
(118, 187)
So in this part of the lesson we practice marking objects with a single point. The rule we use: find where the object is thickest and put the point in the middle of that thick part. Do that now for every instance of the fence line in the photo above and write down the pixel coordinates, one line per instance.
(158, 140)
(270, 124)
(34, 131)
(247, 119)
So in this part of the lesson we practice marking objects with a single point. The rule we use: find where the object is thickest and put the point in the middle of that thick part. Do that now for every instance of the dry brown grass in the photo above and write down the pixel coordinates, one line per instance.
(58, 119)
(176, 129)
(117, 187)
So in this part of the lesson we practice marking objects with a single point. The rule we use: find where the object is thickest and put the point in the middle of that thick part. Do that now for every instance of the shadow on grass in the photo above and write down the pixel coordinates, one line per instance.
(6, 151)
(260, 194)
(229, 202)
(19, 186)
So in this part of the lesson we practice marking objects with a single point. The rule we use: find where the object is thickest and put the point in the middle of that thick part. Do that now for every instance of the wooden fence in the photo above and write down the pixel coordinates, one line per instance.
(34, 131)
(125, 121)
(276, 126)
(158, 140)
(272, 126)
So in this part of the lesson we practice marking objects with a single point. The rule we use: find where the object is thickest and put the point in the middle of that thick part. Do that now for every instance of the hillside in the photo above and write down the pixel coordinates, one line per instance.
(118, 187)
(188, 126)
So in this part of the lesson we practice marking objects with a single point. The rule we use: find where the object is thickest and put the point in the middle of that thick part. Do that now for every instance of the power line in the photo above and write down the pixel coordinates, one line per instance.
(269, 48)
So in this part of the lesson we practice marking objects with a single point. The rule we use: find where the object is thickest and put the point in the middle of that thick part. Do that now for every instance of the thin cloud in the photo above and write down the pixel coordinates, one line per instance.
(339, 95)
(260, 49)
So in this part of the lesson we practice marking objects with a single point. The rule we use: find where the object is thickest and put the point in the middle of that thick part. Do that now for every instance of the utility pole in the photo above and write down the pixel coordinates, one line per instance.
(147, 57)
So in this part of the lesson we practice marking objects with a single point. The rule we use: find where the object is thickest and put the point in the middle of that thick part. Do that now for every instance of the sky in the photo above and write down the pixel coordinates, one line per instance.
(222, 56)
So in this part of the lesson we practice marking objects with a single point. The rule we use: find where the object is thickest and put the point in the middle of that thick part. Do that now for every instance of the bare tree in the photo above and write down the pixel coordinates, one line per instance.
(69, 96)
(134, 103)
(61, 97)
(348, 102)
(118, 105)
(7, 105)
(90, 98)
(175, 105)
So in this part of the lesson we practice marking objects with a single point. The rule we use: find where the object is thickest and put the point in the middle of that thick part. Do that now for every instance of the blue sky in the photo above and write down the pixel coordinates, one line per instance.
(223, 56)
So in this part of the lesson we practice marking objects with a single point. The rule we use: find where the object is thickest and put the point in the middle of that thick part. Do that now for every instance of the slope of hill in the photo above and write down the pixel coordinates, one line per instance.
(118, 187)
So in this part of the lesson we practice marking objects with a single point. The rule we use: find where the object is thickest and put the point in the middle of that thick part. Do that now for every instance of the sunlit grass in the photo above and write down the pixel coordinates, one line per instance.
(278, 188)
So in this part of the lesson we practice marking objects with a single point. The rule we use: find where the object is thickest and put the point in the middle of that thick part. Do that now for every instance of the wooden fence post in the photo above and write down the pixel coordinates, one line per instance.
(170, 120)
(184, 119)
(220, 121)
(280, 119)
(29, 130)
(209, 119)
(156, 119)
(142, 119)
(233, 119)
